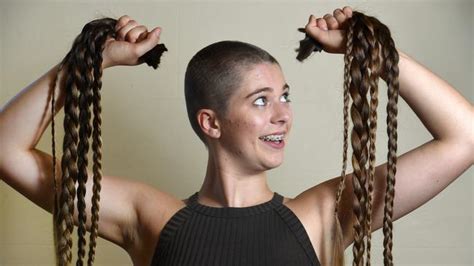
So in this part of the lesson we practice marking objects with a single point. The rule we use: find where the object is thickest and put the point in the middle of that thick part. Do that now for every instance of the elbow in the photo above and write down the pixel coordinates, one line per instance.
(467, 145)
(471, 150)
(470, 136)
(461, 148)
(469, 142)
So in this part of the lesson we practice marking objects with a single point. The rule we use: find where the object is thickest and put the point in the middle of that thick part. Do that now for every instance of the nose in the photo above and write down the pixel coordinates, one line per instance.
(281, 113)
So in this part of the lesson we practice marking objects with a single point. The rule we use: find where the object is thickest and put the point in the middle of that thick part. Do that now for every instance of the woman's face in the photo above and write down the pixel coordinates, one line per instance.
(259, 108)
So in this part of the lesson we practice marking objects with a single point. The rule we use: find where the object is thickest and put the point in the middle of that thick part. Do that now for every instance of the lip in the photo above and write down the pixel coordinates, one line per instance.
(275, 133)
(278, 146)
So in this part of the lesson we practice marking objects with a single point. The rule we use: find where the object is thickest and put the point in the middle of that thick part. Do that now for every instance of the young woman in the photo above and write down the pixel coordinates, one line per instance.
(237, 100)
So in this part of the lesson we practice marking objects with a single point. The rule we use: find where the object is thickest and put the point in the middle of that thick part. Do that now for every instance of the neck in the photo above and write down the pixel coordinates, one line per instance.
(227, 185)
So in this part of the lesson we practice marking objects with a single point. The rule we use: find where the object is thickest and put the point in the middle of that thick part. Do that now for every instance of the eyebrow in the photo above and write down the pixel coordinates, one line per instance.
(286, 86)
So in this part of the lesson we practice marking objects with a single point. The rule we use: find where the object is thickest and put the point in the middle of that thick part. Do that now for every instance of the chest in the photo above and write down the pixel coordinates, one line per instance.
(271, 238)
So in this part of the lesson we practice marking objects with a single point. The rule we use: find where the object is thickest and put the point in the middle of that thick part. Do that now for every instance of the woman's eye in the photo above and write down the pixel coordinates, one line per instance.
(262, 102)
(286, 97)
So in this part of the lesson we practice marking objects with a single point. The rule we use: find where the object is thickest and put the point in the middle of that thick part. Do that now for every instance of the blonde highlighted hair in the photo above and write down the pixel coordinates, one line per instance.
(82, 71)
(370, 53)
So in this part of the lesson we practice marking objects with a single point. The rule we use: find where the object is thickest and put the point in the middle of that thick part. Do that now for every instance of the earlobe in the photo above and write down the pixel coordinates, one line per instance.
(208, 122)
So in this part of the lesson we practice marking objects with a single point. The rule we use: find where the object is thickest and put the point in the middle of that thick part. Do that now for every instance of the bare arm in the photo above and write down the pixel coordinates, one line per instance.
(28, 170)
(426, 170)
(422, 172)
(23, 120)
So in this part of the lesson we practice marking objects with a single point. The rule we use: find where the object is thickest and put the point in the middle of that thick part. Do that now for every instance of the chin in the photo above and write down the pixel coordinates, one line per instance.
(273, 164)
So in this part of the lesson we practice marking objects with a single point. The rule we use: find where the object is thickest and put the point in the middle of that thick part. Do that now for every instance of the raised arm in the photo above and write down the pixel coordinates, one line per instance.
(422, 172)
(426, 170)
(25, 117)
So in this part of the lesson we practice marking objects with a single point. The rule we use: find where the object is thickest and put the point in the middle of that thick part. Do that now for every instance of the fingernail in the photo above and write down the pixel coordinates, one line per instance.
(158, 32)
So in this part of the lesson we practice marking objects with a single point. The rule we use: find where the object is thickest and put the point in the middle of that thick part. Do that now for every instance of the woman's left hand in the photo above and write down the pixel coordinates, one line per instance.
(329, 30)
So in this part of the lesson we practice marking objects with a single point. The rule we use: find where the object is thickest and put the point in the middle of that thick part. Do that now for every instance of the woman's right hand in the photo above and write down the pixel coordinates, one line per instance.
(132, 41)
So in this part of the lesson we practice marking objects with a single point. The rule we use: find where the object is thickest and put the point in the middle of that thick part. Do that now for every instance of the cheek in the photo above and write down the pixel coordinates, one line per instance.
(246, 127)
(247, 132)
(252, 130)
(257, 123)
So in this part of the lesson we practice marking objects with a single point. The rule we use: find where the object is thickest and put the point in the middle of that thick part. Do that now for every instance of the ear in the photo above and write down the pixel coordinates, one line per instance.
(209, 123)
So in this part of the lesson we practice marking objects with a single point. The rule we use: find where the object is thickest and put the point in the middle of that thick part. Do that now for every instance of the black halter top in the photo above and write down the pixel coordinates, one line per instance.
(264, 234)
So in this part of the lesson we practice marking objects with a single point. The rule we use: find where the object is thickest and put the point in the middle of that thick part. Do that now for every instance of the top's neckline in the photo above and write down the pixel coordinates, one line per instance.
(276, 200)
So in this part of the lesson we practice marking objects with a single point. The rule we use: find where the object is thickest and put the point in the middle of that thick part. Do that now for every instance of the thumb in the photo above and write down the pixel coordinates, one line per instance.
(149, 42)
(318, 34)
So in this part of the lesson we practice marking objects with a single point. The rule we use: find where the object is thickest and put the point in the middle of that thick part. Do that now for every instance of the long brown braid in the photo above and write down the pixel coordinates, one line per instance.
(82, 68)
(370, 53)
(391, 57)
(374, 74)
(96, 147)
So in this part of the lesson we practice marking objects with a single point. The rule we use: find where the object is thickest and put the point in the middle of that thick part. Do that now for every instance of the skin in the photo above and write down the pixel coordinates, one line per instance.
(238, 159)
(129, 214)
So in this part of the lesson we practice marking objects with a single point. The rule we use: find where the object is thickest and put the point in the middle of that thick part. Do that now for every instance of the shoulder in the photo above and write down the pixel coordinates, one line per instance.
(317, 201)
(154, 208)
(314, 208)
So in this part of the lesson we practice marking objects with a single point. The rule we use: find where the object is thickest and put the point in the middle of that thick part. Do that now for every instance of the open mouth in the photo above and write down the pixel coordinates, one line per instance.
(276, 139)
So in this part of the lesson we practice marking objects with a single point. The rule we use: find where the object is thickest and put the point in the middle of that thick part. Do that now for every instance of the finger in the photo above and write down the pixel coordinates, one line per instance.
(133, 34)
(322, 24)
(347, 11)
(121, 22)
(340, 16)
(316, 29)
(149, 42)
(311, 22)
(331, 22)
(142, 36)
(122, 32)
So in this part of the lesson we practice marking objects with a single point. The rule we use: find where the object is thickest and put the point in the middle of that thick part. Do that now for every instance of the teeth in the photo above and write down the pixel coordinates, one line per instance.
(272, 138)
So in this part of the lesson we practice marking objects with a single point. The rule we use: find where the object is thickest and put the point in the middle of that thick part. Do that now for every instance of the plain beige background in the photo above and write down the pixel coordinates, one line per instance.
(147, 137)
